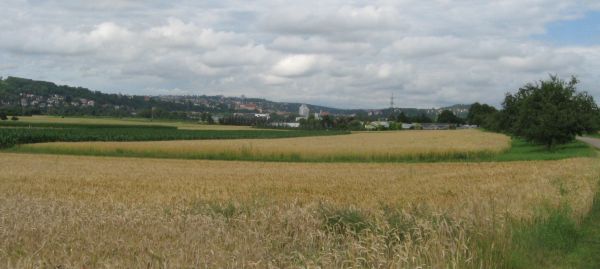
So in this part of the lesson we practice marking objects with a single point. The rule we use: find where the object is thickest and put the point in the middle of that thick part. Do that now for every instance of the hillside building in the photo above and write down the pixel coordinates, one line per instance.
(304, 111)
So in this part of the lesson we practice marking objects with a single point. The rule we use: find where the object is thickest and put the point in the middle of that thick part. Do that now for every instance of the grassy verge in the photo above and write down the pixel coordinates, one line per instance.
(545, 241)
(557, 241)
(595, 135)
(521, 150)
(586, 253)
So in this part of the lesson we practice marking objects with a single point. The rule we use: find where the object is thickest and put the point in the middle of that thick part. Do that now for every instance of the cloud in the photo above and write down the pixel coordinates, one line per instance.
(424, 46)
(328, 21)
(108, 32)
(315, 44)
(177, 33)
(332, 52)
(227, 56)
(295, 66)
(274, 80)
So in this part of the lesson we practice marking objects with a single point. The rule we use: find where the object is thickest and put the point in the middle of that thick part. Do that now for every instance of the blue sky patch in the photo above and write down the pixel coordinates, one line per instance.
(584, 31)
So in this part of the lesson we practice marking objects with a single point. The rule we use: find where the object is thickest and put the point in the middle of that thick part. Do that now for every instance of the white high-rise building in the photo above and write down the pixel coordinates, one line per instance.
(304, 111)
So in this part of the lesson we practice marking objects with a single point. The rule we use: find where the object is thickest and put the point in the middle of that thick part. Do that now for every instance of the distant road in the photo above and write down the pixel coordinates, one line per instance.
(595, 142)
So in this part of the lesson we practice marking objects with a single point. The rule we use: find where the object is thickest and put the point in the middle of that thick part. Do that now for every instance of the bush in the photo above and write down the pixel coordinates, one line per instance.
(14, 118)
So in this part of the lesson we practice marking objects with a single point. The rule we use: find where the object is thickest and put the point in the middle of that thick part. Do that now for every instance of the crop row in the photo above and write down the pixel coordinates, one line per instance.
(80, 125)
(14, 136)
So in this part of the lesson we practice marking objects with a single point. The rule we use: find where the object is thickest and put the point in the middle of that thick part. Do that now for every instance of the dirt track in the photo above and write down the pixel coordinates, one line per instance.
(595, 142)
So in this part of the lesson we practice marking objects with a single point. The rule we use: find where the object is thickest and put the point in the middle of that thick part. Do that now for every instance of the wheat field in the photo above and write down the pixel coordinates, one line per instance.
(364, 146)
(106, 212)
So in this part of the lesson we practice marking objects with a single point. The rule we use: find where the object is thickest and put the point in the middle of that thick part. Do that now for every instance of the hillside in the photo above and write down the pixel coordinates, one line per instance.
(21, 96)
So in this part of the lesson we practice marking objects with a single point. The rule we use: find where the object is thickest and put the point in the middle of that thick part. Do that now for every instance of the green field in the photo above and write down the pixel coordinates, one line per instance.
(17, 133)
(128, 121)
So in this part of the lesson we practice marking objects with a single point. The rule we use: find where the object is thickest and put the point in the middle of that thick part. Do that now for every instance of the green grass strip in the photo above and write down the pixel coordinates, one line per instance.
(521, 150)
(557, 241)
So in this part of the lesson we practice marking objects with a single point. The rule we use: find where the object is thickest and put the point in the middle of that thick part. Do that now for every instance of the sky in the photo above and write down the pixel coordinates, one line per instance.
(345, 54)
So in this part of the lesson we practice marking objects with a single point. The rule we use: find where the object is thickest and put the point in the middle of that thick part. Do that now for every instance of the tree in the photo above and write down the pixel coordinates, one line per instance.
(356, 125)
(422, 118)
(479, 114)
(448, 116)
(209, 118)
(391, 116)
(3, 116)
(403, 118)
(551, 112)
(327, 122)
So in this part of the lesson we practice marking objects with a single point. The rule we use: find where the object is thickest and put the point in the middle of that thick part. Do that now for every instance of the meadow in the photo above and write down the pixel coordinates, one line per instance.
(356, 147)
(75, 212)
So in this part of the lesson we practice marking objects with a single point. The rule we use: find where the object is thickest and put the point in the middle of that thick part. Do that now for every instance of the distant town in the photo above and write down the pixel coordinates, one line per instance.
(29, 97)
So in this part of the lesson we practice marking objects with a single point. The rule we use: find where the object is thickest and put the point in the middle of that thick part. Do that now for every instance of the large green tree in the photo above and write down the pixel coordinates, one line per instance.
(550, 112)
(479, 114)
(402, 118)
(448, 116)
(421, 118)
